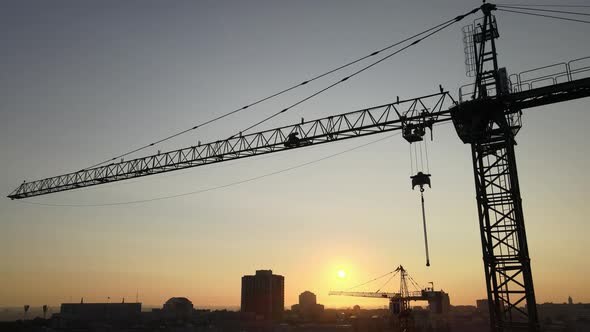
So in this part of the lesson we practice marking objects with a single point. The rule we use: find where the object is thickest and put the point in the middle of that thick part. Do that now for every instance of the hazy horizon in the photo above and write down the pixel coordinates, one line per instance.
(84, 81)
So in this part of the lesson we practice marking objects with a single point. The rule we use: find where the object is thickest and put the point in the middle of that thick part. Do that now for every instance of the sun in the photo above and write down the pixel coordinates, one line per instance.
(341, 274)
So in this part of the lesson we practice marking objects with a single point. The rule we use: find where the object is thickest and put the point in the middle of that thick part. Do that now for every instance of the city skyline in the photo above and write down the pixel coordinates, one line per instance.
(85, 82)
(236, 307)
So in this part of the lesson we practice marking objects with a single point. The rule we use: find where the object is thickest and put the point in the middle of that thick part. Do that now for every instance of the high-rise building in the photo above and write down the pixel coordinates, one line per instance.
(263, 294)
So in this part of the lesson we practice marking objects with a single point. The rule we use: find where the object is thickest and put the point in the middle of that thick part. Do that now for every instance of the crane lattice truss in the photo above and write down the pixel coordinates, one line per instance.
(504, 242)
(412, 296)
(490, 127)
(379, 119)
(488, 122)
(374, 120)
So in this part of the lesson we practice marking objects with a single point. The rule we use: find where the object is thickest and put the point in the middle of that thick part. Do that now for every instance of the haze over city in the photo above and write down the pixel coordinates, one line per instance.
(83, 82)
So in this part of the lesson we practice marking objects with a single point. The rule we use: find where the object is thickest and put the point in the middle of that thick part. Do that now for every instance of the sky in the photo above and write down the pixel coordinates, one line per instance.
(81, 82)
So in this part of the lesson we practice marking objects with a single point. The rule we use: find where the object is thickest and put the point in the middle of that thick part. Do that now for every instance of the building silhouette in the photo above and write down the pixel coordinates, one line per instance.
(264, 295)
(307, 298)
(308, 309)
(179, 308)
(482, 306)
(82, 315)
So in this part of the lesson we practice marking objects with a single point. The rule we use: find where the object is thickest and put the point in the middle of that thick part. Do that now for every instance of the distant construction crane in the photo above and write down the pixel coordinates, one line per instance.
(399, 303)
(487, 116)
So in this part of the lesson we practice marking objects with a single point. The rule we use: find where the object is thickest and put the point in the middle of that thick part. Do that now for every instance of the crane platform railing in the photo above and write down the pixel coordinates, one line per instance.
(551, 75)
(539, 77)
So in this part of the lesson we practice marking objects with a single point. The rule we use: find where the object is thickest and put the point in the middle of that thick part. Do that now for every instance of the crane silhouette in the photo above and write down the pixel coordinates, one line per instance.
(486, 115)
(399, 302)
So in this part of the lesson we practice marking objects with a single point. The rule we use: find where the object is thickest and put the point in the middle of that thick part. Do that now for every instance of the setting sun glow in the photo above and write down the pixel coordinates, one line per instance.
(341, 274)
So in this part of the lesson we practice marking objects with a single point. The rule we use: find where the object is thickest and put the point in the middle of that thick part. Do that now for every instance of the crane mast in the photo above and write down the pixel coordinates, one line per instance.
(490, 128)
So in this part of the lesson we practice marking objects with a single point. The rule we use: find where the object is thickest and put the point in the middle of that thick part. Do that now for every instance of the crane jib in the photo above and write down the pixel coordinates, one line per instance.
(374, 120)
(379, 119)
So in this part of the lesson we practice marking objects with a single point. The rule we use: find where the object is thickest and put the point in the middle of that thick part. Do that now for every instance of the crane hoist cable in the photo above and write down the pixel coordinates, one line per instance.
(394, 272)
(415, 283)
(414, 131)
(422, 179)
(453, 20)
(385, 284)
(543, 15)
(424, 222)
(546, 10)
(259, 101)
(440, 28)
(548, 5)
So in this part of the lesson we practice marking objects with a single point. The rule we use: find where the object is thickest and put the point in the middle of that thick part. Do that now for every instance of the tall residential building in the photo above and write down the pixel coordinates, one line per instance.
(264, 294)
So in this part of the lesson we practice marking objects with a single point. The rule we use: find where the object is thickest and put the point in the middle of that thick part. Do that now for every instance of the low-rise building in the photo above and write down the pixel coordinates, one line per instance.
(308, 309)
(88, 314)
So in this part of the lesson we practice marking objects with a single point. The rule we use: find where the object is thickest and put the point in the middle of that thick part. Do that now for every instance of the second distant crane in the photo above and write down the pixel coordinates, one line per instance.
(399, 303)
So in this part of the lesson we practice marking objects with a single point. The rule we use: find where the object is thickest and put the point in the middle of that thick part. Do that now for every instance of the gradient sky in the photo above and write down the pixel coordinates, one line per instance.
(82, 81)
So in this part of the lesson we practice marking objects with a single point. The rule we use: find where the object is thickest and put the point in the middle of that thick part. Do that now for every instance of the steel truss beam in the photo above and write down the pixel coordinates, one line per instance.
(505, 251)
(410, 296)
(489, 123)
(384, 118)
(549, 94)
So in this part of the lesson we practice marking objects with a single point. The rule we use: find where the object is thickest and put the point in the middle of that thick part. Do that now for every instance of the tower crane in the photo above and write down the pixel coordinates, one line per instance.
(486, 116)
(399, 303)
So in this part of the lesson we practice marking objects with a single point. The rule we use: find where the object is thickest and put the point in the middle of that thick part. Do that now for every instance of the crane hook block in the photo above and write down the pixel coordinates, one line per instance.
(420, 179)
